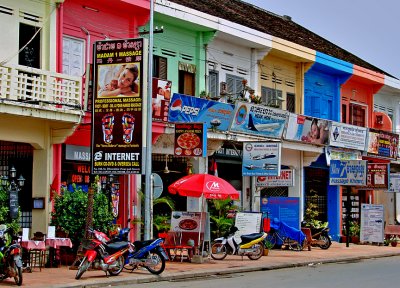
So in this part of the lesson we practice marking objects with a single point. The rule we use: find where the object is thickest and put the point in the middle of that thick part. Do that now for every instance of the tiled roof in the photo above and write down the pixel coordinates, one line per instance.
(280, 26)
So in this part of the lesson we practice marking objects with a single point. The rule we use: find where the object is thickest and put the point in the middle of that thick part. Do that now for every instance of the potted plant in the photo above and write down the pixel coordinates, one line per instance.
(354, 230)
(267, 246)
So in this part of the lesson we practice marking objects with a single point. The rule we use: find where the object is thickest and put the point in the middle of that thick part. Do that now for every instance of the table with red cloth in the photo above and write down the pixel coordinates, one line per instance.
(29, 245)
(54, 245)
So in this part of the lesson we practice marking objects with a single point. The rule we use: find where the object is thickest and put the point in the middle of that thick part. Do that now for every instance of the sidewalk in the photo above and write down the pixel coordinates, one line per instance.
(338, 252)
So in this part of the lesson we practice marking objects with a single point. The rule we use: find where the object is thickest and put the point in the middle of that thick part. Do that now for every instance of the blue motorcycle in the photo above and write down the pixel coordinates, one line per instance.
(148, 254)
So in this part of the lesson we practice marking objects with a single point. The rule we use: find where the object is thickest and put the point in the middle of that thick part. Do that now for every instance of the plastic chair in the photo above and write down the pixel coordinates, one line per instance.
(180, 248)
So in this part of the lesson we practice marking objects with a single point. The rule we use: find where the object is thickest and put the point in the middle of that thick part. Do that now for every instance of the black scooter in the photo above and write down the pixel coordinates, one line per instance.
(320, 236)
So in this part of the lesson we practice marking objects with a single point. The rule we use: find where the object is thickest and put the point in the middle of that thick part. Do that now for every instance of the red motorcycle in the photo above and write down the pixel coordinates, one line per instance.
(10, 256)
(101, 255)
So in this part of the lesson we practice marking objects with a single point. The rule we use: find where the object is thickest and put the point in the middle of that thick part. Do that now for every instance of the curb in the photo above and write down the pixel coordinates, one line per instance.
(193, 274)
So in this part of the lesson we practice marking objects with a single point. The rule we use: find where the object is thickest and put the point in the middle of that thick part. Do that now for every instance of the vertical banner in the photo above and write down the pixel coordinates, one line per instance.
(160, 99)
(119, 84)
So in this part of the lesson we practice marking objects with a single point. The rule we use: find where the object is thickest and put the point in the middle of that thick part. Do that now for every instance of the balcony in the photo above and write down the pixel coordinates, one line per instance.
(31, 92)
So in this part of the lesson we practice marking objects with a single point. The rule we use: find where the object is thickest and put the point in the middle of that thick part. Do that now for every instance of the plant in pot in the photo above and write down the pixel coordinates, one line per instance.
(354, 231)
(267, 246)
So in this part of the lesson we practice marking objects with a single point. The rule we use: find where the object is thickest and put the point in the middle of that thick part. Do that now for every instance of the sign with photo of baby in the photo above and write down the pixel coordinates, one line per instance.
(119, 82)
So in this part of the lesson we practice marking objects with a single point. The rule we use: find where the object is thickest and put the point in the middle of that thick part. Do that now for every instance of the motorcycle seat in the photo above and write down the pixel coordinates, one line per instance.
(114, 247)
(140, 244)
(250, 237)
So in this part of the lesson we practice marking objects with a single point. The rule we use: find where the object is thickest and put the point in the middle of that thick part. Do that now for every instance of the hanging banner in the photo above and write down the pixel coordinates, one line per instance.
(258, 120)
(348, 172)
(161, 99)
(285, 179)
(307, 129)
(348, 136)
(382, 143)
(190, 140)
(120, 79)
(394, 183)
(261, 159)
(187, 109)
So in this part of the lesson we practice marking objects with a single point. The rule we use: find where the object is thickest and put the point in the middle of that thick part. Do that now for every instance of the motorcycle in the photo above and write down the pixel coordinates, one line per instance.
(252, 245)
(10, 256)
(320, 236)
(148, 254)
(102, 255)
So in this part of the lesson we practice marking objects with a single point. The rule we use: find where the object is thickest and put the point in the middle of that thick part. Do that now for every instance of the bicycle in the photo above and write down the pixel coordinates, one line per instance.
(275, 235)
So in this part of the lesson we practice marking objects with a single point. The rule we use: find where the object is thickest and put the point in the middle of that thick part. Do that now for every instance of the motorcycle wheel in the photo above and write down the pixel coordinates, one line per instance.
(18, 274)
(260, 250)
(294, 245)
(218, 251)
(159, 268)
(327, 242)
(82, 268)
(118, 266)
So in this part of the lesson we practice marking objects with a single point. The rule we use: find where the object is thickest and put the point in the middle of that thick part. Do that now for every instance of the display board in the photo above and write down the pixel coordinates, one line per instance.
(372, 220)
(247, 223)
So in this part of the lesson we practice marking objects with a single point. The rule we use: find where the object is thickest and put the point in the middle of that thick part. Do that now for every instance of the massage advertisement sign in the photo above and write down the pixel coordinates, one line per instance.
(382, 143)
(307, 129)
(187, 109)
(261, 159)
(348, 136)
(377, 176)
(119, 82)
(160, 99)
(190, 140)
(348, 172)
(258, 120)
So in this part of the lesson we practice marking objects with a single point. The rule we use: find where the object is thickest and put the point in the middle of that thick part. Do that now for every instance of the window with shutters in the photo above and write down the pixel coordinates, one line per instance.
(213, 83)
(160, 67)
(234, 84)
(73, 56)
(271, 97)
(290, 102)
(358, 115)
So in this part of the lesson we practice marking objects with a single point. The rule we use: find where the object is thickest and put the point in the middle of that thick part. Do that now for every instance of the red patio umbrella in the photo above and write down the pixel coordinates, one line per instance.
(206, 185)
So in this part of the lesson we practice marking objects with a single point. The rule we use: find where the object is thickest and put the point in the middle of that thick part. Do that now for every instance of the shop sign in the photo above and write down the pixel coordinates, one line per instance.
(182, 221)
(307, 129)
(261, 159)
(285, 179)
(187, 109)
(120, 82)
(394, 182)
(348, 172)
(77, 153)
(348, 136)
(339, 154)
(382, 143)
(258, 120)
(161, 99)
(377, 176)
(190, 140)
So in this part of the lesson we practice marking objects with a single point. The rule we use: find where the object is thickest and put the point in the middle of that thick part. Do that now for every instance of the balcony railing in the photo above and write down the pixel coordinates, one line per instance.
(39, 87)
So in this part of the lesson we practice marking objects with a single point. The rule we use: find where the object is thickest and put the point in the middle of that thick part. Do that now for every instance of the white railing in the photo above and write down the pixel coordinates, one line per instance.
(35, 86)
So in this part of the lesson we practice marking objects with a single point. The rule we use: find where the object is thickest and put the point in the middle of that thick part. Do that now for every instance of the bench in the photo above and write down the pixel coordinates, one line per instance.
(392, 231)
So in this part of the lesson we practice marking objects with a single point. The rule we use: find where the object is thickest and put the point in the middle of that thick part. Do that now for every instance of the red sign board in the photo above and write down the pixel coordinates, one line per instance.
(377, 176)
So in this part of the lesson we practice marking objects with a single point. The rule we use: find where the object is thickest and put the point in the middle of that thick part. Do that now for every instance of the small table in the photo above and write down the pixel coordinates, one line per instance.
(54, 246)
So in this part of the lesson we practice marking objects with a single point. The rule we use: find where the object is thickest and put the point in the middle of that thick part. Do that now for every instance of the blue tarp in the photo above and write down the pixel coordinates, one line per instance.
(288, 231)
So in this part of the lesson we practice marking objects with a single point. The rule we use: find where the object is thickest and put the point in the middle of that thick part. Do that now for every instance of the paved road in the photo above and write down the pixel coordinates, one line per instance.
(369, 273)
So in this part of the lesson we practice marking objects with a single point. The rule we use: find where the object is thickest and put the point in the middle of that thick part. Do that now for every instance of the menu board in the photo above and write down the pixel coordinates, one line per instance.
(371, 228)
(188, 221)
(247, 223)
(190, 140)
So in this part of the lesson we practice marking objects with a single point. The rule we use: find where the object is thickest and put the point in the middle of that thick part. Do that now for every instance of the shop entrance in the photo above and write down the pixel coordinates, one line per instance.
(316, 190)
